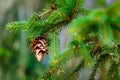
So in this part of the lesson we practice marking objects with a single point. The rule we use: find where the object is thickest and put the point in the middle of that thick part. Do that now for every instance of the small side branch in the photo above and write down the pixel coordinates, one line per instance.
(77, 69)
(48, 11)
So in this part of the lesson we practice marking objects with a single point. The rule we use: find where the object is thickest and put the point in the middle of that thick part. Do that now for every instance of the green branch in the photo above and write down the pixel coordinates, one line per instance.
(77, 69)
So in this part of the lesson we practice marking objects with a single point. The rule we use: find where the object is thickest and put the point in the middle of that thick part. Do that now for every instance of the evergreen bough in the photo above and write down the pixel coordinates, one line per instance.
(95, 36)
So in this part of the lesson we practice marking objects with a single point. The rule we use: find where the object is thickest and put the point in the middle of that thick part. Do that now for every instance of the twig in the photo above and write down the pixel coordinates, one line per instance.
(48, 11)
(75, 10)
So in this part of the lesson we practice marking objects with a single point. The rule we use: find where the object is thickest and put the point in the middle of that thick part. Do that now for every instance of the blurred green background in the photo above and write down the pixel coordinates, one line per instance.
(17, 62)
(16, 59)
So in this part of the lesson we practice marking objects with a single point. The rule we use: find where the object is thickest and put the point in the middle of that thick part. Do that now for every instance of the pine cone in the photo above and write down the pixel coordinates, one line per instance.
(38, 45)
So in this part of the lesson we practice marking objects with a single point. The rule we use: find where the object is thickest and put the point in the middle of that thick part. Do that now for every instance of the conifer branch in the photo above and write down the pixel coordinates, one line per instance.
(77, 69)
(99, 61)
(49, 75)
(53, 7)
(113, 73)
(86, 55)
(55, 63)
(93, 73)
(17, 25)
(104, 23)
(75, 10)
(48, 11)
(55, 52)
(56, 27)
(61, 57)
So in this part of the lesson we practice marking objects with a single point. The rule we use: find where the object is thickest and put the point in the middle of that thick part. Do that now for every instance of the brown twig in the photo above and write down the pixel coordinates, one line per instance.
(75, 10)
(48, 11)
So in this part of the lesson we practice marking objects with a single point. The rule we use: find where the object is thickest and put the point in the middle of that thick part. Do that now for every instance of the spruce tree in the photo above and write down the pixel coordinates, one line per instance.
(94, 42)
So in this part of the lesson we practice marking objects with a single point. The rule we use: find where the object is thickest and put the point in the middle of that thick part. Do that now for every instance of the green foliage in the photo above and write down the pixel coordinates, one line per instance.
(105, 34)
(17, 25)
(114, 71)
(77, 68)
(96, 31)
(98, 22)
(97, 64)
(54, 44)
